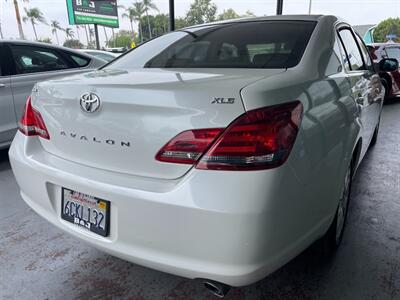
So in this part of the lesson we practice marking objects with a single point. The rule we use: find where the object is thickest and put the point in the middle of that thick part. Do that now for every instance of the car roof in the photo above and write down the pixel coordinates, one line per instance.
(32, 43)
(96, 51)
(314, 18)
(384, 44)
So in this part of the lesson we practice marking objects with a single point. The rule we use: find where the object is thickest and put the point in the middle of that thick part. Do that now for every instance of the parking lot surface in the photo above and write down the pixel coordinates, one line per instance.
(38, 261)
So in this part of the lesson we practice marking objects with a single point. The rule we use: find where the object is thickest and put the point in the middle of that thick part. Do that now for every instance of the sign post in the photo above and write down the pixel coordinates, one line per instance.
(98, 12)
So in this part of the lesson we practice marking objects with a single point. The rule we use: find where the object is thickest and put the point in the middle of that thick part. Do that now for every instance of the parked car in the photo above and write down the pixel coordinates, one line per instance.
(23, 64)
(219, 151)
(391, 79)
(105, 55)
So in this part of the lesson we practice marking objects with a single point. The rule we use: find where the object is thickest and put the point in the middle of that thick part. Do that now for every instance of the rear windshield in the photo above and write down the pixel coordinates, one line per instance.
(261, 44)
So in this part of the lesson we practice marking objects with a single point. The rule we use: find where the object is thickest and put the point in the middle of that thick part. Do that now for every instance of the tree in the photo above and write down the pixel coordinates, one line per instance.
(34, 15)
(74, 44)
(387, 27)
(181, 23)
(69, 33)
(158, 25)
(55, 26)
(149, 5)
(105, 34)
(130, 14)
(134, 14)
(122, 39)
(87, 34)
(249, 13)
(228, 14)
(201, 11)
(18, 18)
(77, 31)
(45, 40)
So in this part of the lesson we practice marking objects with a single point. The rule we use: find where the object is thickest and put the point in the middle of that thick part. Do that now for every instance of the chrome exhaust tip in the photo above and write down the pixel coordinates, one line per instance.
(217, 288)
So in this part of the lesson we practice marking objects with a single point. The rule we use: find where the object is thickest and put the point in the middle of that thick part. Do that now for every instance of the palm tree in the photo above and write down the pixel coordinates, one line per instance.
(134, 14)
(149, 5)
(130, 14)
(34, 15)
(77, 32)
(55, 25)
(18, 17)
(69, 33)
(105, 33)
(1, 32)
(87, 35)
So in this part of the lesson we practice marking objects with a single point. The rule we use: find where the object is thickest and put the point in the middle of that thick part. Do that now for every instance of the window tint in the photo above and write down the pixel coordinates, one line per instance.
(365, 54)
(264, 44)
(31, 59)
(393, 52)
(81, 61)
(105, 56)
(353, 55)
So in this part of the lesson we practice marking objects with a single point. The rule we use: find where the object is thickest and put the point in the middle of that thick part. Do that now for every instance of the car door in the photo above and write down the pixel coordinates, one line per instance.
(32, 64)
(8, 122)
(366, 87)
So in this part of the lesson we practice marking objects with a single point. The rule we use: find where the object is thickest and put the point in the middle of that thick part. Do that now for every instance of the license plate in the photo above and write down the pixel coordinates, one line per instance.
(88, 212)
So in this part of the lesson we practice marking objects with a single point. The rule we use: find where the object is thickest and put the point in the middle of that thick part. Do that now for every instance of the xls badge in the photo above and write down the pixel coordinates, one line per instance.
(220, 100)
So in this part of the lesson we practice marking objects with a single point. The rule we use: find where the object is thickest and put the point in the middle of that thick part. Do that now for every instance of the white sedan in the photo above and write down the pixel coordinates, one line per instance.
(219, 151)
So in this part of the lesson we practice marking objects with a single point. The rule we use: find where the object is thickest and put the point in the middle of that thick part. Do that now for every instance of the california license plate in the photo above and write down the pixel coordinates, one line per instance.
(86, 211)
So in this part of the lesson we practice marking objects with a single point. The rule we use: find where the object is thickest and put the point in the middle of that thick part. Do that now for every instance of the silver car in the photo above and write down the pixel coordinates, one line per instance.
(24, 63)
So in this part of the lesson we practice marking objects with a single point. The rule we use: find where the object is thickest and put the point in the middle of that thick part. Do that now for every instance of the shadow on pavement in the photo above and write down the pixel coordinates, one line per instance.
(4, 162)
(392, 101)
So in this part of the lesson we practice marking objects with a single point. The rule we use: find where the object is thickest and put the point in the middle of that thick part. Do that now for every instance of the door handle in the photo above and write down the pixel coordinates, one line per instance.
(2, 85)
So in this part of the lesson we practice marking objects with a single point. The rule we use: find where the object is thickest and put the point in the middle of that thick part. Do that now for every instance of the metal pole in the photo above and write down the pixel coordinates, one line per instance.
(96, 32)
(171, 15)
(309, 7)
(279, 7)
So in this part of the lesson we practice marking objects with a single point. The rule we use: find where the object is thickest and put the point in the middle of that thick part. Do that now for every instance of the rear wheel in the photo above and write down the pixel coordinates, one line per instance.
(375, 136)
(333, 237)
(386, 86)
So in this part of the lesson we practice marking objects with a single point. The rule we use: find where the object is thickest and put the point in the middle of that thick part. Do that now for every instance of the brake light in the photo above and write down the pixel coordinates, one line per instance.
(259, 139)
(31, 123)
(188, 146)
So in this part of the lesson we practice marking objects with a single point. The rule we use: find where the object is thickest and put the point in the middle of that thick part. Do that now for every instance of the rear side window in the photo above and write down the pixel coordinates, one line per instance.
(80, 61)
(365, 54)
(354, 58)
(393, 52)
(263, 44)
(32, 59)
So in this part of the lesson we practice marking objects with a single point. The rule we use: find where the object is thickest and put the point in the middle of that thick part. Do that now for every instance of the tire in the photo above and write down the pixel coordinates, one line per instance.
(333, 237)
(386, 86)
(375, 136)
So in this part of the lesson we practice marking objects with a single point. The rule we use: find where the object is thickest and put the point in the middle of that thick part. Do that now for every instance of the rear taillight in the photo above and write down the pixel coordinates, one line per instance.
(188, 146)
(259, 139)
(31, 123)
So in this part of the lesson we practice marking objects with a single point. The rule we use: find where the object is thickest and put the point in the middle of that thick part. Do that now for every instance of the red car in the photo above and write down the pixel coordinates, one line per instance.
(391, 79)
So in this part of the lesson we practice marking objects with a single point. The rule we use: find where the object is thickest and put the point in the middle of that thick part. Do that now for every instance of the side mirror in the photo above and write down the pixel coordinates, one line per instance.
(388, 65)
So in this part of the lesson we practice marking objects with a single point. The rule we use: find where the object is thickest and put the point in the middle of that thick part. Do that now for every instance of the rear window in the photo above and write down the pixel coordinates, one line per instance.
(80, 61)
(261, 44)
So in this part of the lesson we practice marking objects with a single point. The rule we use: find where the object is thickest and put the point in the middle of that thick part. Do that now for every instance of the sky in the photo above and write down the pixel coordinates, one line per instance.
(357, 12)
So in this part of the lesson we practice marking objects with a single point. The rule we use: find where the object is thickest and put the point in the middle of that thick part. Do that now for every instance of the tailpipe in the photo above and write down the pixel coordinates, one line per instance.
(217, 288)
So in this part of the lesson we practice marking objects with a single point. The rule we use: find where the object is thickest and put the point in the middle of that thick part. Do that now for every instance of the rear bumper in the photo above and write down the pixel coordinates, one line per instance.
(226, 226)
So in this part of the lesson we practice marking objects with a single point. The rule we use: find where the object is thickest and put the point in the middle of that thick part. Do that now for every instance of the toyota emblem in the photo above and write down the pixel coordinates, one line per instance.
(90, 102)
